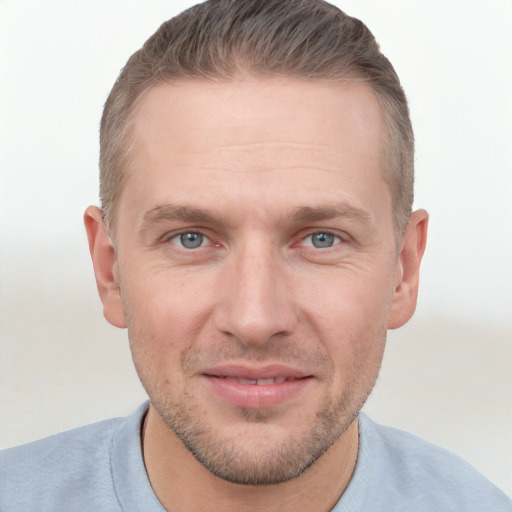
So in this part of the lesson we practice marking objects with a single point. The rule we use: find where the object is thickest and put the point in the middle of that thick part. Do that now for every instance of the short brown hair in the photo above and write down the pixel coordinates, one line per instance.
(222, 39)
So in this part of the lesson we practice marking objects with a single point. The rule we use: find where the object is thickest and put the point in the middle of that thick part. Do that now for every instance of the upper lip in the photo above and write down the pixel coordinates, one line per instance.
(240, 371)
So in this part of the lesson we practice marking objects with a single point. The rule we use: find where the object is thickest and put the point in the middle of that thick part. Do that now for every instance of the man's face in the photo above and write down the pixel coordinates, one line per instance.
(257, 265)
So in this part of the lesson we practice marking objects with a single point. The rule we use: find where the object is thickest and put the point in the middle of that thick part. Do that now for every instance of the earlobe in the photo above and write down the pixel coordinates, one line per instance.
(408, 268)
(105, 266)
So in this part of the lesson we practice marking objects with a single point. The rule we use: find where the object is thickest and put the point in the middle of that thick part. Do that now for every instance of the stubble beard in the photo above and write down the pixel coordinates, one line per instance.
(273, 460)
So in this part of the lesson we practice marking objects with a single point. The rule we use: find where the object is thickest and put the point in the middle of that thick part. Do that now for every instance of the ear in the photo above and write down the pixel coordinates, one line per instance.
(104, 260)
(408, 270)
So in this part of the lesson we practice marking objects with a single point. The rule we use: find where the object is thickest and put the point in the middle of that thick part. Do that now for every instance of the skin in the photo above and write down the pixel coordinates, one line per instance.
(256, 168)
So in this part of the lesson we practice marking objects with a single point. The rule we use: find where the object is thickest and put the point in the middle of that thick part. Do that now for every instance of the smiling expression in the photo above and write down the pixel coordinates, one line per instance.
(256, 266)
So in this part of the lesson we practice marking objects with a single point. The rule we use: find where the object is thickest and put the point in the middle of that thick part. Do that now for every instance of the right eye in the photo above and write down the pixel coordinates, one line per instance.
(189, 240)
(321, 240)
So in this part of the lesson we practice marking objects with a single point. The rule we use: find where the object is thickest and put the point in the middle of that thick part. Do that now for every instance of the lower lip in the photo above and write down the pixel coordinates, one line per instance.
(253, 396)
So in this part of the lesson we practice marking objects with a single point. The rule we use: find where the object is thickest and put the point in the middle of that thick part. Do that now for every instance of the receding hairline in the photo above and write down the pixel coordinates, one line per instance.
(129, 142)
(214, 40)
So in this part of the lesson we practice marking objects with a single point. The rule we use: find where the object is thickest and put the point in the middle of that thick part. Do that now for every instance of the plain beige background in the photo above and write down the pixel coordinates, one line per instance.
(446, 376)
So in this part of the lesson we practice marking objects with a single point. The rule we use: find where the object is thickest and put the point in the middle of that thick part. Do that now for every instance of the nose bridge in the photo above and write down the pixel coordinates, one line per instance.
(256, 305)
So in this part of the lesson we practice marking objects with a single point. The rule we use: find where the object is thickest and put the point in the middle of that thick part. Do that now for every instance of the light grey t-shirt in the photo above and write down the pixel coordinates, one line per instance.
(100, 468)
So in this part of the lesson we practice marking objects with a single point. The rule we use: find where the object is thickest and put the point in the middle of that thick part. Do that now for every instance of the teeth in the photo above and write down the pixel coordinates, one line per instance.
(259, 382)
(246, 382)
(263, 382)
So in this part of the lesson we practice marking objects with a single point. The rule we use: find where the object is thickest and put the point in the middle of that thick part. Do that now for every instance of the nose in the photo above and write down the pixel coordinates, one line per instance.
(256, 303)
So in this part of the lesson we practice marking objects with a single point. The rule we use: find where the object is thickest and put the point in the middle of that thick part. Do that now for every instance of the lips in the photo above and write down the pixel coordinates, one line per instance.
(258, 382)
(256, 388)
(255, 373)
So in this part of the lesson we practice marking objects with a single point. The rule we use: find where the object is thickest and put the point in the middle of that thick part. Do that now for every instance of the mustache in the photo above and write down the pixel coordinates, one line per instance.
(298, 355)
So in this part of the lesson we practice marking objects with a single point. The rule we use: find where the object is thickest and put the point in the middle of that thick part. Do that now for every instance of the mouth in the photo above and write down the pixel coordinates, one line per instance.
(256, 382)
(256, 388)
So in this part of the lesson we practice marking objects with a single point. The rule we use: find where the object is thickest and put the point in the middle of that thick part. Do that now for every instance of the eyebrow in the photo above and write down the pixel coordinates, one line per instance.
(170, 212)
(304, 214)
(341, 209)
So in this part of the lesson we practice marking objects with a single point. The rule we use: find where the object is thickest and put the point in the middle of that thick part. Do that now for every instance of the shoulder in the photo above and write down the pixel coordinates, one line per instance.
(67, 471)
(58, 448)
(424, 475)
(51, 470)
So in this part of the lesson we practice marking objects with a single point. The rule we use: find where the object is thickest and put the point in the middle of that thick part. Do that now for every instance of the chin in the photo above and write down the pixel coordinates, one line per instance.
(255, 449)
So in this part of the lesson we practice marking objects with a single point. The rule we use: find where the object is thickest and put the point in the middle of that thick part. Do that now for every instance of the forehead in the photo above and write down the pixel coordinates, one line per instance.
(192, 140)
(251, 111)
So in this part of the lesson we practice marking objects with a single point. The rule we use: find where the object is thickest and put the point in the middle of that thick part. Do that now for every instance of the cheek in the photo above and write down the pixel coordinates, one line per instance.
(163, 322)
(350, 315)
(348, 300)
(165, 302)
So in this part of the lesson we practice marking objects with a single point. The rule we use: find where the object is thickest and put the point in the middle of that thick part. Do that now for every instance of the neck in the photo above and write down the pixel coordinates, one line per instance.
(181, 483)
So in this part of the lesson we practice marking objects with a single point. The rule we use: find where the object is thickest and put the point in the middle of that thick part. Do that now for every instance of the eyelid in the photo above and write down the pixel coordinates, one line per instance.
(315, 231)
(203, 240)
(169, 236)
(173, 233)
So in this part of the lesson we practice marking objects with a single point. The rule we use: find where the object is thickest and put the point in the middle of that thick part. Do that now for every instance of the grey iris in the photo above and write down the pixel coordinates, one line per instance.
(322, 240)
(191, 240)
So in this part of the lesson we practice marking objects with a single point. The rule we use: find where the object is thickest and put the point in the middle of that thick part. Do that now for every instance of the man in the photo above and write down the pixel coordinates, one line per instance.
(256, 238)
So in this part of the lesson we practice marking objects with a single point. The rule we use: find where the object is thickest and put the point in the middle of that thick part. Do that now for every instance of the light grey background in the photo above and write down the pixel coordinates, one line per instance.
(446, 376)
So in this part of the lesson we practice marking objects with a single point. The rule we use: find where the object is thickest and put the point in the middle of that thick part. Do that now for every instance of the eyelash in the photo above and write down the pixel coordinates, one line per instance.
(337, 239)
(176, 236)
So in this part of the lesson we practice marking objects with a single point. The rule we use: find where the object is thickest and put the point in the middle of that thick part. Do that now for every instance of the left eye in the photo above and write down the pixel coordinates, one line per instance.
(191, 240)
(321, 240)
